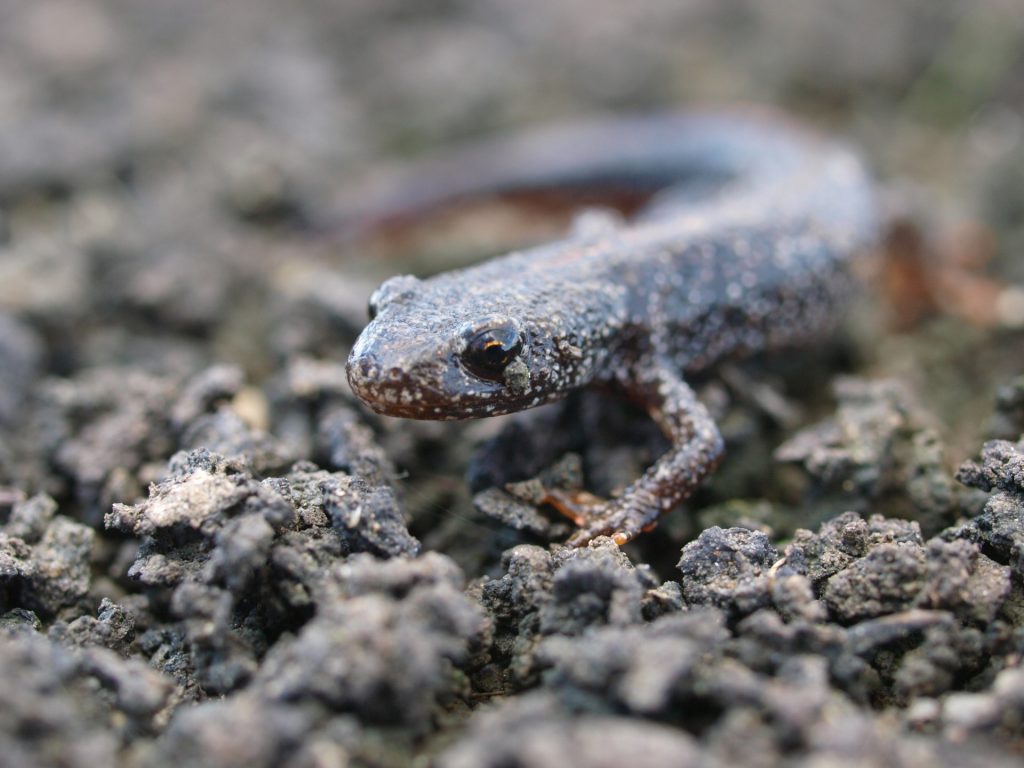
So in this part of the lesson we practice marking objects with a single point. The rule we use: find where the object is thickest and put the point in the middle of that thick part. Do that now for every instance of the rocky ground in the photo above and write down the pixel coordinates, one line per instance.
(211, 555)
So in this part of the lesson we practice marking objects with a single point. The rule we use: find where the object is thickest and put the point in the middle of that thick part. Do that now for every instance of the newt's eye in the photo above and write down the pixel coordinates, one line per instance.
(377, 299)
(398, 288)
(489, 352)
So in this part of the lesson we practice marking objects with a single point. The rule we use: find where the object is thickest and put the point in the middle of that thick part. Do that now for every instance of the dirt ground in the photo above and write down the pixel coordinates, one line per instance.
(211, 554)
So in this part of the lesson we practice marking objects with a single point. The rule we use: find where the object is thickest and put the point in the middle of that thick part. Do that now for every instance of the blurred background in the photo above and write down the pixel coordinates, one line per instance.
(258, 110)
(160, 125)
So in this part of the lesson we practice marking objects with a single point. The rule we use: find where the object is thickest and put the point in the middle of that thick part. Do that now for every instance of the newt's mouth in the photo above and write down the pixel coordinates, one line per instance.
(434, 389)
(410, 390)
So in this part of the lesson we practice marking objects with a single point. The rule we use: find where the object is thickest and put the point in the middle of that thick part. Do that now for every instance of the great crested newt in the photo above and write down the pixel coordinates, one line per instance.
(745, 245)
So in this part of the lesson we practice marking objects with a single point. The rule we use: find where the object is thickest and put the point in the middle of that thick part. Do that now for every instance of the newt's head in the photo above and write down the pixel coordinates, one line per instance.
(458, 346)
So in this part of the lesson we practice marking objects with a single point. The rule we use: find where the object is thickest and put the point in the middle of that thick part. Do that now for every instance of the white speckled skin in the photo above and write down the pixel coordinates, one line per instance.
(747, 250)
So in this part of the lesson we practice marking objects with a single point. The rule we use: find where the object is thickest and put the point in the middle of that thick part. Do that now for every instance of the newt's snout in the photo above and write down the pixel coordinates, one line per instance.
(362, 370)
(396, 380)
(376, 382)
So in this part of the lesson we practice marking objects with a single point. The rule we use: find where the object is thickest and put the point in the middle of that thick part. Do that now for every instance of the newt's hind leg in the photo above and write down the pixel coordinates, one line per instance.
(697, 447)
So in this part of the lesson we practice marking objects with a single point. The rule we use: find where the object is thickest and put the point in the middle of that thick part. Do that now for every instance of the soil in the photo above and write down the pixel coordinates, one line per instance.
(212, 555)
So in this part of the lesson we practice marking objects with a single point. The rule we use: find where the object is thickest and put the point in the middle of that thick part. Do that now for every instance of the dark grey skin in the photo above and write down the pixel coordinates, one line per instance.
(746, 248)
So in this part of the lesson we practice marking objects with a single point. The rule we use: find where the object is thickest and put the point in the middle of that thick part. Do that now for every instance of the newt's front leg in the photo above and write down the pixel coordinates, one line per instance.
(697, 447)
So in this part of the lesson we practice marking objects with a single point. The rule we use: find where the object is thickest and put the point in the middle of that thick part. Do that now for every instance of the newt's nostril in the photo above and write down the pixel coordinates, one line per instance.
(362, 368)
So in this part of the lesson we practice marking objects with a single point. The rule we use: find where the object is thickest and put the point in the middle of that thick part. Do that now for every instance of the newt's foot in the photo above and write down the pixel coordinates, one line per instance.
(579, 506)
(599, 517)
(613, 519)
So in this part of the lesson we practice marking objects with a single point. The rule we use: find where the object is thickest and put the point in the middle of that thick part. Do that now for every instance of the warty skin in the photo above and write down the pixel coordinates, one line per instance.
(746, 247)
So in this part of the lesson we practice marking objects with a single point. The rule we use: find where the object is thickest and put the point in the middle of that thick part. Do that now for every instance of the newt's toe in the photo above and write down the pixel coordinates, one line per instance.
(579, 506)
(620, 525)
